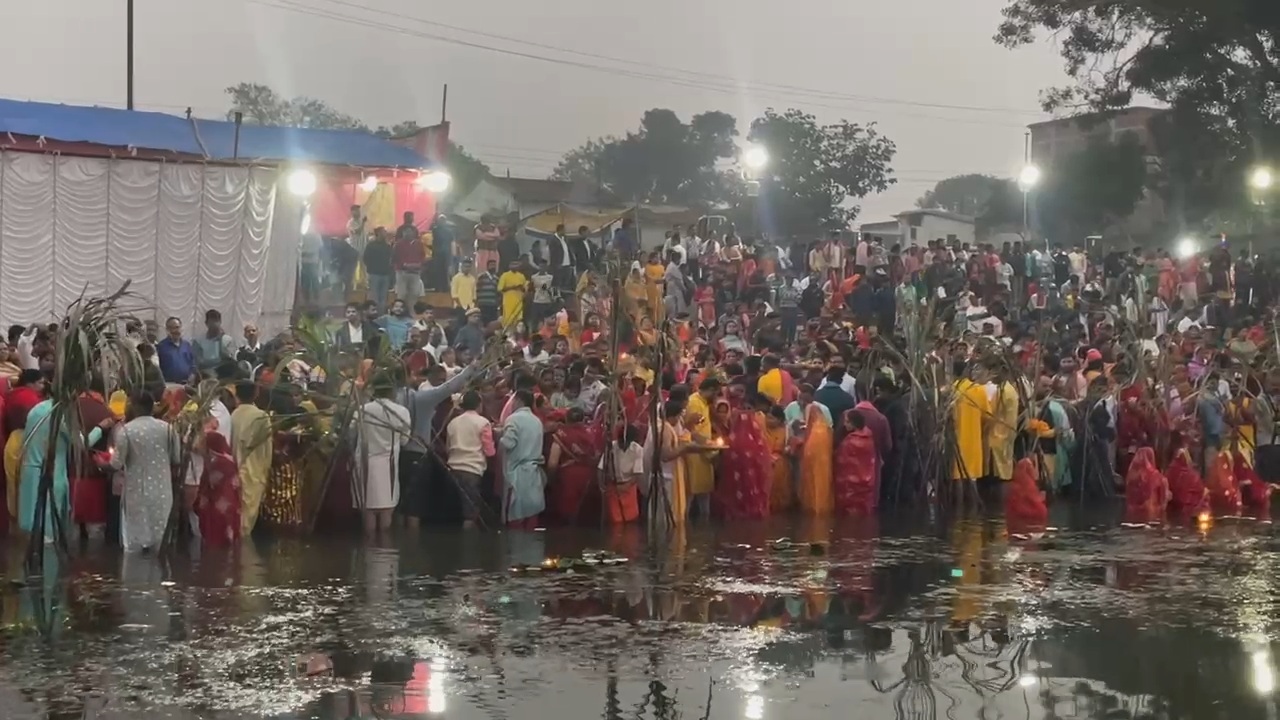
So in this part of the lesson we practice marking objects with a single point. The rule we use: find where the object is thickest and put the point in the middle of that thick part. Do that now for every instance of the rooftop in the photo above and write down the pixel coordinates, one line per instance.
(533, 190)
(933, 212)
(1097, 117)
(209, 139)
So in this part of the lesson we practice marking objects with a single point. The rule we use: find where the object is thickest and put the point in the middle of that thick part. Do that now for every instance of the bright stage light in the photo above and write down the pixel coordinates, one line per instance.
(369, 184)
(1187, 247)
(301, 183)
(755, 157)
(434, 182)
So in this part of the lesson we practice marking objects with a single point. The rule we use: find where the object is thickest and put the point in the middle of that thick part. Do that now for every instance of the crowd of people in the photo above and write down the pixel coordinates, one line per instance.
(711, 377)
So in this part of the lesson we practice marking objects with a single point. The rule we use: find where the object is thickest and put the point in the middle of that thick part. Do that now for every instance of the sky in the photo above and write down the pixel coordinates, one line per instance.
(529, 81)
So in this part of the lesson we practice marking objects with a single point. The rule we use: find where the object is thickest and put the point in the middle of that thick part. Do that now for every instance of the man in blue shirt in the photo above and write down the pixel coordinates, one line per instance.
(177, 360)
(397, 323)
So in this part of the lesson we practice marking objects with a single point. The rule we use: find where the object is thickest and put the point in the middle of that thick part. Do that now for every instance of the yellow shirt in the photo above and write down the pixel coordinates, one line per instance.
(463, 290)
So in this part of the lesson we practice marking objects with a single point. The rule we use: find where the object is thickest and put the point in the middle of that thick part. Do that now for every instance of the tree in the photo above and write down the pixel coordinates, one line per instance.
(814, 170)
(993, 202)
(261, 105)
(964, 194)
(1215, 63)
(665, 161)
(1093, 189)
(1222, 56)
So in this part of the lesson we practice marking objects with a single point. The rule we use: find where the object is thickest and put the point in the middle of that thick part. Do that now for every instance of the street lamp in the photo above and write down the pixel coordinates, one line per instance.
(755, 157)
(1187, 247)
(1260, 178)
(1027, 180)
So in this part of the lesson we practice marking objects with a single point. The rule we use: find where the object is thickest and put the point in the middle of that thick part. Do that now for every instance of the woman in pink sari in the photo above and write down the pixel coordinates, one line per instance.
(218, 499)
(742, 492)
(855, 477)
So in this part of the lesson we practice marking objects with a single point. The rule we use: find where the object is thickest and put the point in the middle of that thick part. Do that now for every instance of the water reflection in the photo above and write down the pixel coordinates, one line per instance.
(794, 619)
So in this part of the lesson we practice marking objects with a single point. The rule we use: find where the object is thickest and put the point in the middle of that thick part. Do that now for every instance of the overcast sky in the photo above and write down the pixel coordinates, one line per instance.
(910, 65)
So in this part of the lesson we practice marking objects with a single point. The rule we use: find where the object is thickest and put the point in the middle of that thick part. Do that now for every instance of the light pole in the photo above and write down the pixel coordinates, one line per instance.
(1027, 180)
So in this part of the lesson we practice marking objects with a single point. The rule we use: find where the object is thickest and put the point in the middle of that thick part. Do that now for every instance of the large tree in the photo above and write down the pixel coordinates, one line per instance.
(664, 161)
(964, 194)
(261, 105)
(1215, 63)
(1091, 190)
(814, 171)
(993, 202)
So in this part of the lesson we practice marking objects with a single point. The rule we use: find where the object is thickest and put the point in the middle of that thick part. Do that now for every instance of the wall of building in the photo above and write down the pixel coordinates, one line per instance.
(932, 227)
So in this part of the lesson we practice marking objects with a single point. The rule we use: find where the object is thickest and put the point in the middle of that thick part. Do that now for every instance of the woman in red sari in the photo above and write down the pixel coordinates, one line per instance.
(743, 489)
(1186, 490)
(1146, 490)
(571, 466)
(1224, 495)
(1135, 427)
(1255, 493)
(1024, 506)
(855, 472)
(218, 499)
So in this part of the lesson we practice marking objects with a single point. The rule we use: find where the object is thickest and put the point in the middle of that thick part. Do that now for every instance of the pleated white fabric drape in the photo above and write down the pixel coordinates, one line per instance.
(190, 237)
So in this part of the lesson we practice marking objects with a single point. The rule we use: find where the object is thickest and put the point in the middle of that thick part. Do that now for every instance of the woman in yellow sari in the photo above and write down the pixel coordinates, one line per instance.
(512, 286)
(654, 273)
(775, 436)
(816, 494)
(635, 292)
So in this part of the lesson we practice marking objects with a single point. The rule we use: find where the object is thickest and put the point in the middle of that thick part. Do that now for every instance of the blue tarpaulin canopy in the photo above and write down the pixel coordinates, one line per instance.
(210, 139)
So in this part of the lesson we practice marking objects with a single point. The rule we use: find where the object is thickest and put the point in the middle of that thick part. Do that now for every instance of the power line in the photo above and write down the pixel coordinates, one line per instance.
(733, 88)
(711, 76)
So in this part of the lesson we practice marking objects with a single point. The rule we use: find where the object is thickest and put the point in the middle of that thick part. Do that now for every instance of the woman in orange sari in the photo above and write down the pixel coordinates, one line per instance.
(1024, 506)
(1224, 495)
(815, 488)
(1146, 491)
(1167, 286)
(780, 493)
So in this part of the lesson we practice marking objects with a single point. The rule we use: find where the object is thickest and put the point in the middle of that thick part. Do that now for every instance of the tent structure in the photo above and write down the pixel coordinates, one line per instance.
(192, 211)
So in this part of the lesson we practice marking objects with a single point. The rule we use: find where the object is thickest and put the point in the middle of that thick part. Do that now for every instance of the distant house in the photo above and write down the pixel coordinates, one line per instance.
(889, 232)
(526, 197)
(917, 227)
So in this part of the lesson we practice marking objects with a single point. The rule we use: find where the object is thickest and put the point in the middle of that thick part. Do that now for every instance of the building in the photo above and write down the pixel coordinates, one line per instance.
(889, 232)
(917, 227)
(1054, 140)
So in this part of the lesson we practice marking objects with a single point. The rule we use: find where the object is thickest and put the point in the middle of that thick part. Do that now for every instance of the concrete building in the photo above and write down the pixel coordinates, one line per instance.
(889, 232)
(917, 227)
(1054, 140)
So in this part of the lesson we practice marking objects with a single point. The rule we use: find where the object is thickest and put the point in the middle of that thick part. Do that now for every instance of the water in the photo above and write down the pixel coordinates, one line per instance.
(842, 618)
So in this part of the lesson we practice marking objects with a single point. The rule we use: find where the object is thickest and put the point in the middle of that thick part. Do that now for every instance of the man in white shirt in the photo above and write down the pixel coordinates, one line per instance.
(591, 385)
(470, 445)
(1079, 262)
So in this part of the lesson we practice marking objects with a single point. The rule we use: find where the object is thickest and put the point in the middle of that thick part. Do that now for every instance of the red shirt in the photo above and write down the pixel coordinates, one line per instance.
(408, 255)
(17, 404)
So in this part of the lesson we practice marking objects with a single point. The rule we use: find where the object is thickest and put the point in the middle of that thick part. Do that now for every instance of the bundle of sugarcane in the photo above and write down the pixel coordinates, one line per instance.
(86, 343)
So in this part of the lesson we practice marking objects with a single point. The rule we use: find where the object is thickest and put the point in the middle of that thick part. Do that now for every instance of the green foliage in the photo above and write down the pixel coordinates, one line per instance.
(261, 105)
(815, 169)
(1093, 189)
(993, 202)
(1215, 63)
(666, 161)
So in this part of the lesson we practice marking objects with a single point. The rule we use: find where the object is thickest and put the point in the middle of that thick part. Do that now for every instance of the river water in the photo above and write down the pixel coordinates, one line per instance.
(787, 619)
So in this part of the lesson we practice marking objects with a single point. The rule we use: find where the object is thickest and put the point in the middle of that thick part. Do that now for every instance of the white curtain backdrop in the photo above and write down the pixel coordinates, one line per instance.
(190, 237)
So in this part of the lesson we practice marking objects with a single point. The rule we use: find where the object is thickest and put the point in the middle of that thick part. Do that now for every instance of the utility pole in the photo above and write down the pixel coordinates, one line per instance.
(128, 63)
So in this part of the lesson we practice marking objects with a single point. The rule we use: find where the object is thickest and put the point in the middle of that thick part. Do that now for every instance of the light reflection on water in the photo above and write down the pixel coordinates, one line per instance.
(966, 621)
